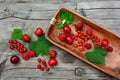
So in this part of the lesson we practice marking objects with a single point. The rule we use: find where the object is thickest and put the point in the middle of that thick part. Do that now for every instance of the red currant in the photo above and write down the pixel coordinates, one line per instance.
(47, 69)
(39, 60)
(11, 47)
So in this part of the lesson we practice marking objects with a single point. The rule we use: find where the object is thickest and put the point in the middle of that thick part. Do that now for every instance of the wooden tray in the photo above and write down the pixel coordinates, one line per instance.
(112, 66)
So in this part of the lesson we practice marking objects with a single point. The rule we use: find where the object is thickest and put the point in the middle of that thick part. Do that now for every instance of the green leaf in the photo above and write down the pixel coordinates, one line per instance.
(41, 46)
(100, 50)
(17, 34)
(63, 15)
(91, 56)
(66, 17)
(97, 55)
(60, 26)
(95, 58)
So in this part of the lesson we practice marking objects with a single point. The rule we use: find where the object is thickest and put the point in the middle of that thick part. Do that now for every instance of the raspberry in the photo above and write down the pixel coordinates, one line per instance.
(109, 48)
(88, 46)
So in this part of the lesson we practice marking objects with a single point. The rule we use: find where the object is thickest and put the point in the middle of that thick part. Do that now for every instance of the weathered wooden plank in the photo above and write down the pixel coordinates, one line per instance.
(50, 1)
(102, 13)
(99, 5)
(31, 11)
(54, 73)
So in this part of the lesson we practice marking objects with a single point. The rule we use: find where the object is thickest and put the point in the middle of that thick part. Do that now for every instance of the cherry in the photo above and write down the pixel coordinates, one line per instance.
(11, 47)
(104, 42)
(38, 31)
(52, 62)
(52, 53)
(31, 53)
(79, 26)
(14, 59)
(109, 48)
(69, 39)
(67, 29)
(25, 56)
(88, 46)
(39, 60)
(89, 31)
(62, 36)
(26, 38)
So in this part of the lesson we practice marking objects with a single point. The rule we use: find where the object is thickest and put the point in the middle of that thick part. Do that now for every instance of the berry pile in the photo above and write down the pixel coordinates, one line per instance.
(42, 64)
(81, 37)
(14, 44)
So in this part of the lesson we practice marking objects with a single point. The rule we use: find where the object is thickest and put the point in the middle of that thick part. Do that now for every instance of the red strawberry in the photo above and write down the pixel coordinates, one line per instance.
(79, 26)
(26, 38)
(31, 53)
(52, 53)
(25, 56)
(62, 36)
(67, 29)
(38, 31)
(104, 42)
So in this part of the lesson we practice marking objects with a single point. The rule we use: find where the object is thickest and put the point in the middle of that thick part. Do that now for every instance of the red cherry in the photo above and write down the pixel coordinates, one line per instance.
(109, 48)
(47, 69)
(39, 60)
(31, 53)
(52, 62)
(25, 56)
(69, 40)
(88, 46)
(26, 38)
(52, 53)
(11, 47)
(67, 29)
(14, 59)
(89, 31)
(79, 26)
(62, 36)
(104, 42)
(38, 32)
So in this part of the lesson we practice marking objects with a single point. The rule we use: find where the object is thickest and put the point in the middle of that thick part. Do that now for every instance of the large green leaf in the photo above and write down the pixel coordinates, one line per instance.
(16, 34)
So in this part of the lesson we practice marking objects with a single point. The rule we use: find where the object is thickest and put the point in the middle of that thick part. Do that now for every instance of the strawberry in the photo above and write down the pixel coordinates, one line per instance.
(31, 53)
(25, 56)
(62, 36)
(38, 31)
(26, 38)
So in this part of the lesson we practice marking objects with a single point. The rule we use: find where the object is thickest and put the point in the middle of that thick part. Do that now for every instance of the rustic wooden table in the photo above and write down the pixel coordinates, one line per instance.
(14, 13)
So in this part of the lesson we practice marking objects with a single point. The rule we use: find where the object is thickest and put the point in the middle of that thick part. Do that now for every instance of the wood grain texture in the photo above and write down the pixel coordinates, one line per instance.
(38, 13)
